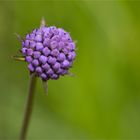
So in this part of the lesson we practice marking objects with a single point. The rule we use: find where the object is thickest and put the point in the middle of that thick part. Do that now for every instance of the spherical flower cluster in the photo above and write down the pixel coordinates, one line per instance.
(49, 52)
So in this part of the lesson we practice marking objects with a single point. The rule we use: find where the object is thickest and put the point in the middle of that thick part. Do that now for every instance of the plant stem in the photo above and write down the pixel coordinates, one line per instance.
(28, 107)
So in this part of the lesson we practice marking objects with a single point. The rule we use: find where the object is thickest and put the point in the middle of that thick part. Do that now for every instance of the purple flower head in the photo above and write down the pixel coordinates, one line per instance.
(49, 52)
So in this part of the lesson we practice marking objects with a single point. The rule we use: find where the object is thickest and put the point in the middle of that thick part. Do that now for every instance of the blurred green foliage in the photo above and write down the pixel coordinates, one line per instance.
(103, 100)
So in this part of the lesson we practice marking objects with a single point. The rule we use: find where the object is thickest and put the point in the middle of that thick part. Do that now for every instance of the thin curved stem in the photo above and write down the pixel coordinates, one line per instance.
(28, 107)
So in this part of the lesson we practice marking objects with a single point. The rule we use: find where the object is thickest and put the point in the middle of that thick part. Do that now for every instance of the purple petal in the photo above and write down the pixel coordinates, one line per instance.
(72, 46)
(51, 60)
(32, 36)
(38, 32)
(39, 46)
(26, 43)
(55, 52)
(50, 72)
(47, 34)
(53, 44)
(29, 51)
(56, 66)
(65, 50)
(61, 45)
(46, 51)
(27, 36)
(59, 71)
(61, 57)
(43, 59)
(35, 62)
(55, 38)
(71, 56)
(46, 42)
(39, 69)
(38, 38)
(36, 54)
(32, 44)
(65, 64)
(54, 76)
(43, 76)
(30, 67)
(46, 66)
(24, 51)
(29, 59)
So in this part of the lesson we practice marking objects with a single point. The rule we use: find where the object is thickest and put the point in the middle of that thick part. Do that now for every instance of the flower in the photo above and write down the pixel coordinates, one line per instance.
(49, 52)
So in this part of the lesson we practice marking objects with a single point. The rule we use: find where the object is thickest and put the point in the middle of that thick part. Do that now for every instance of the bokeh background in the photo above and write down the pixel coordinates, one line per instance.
(102, 100)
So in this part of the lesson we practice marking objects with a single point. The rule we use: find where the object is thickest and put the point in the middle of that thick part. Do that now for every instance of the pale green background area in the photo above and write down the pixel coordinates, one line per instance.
(103, 100)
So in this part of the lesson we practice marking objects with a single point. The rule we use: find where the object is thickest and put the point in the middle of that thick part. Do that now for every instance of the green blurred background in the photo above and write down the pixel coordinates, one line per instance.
(103, 100)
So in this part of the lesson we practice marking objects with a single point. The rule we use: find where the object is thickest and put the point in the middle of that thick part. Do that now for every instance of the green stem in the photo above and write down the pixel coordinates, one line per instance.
(28, 107)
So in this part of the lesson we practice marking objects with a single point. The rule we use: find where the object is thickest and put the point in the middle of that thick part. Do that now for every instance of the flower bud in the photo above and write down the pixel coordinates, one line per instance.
(49, 51)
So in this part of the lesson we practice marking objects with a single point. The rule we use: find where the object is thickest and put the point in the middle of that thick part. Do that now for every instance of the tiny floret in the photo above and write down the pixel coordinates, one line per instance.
(49, 52)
